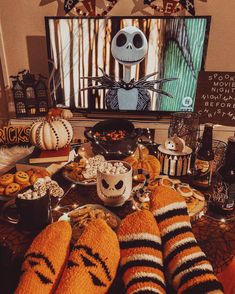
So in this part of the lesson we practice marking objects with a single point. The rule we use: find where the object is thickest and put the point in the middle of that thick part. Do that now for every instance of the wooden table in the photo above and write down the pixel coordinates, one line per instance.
(216, 238)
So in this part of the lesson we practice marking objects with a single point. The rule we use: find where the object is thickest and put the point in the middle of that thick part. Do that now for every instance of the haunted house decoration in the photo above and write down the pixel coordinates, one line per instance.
(30, 94)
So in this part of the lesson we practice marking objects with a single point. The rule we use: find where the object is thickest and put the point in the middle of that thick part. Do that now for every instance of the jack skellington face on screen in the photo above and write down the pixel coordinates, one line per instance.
(129, 46)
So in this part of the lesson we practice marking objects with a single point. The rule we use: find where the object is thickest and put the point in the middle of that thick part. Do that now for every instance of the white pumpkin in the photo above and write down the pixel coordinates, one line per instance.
(66, 114)
(51, 134)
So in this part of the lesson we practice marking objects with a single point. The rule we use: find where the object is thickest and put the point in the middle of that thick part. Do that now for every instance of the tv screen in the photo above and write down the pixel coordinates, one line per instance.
(135, 64)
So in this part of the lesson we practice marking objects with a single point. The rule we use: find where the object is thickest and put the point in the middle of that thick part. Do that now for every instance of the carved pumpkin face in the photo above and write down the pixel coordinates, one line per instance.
(95, 267)
(129, 46)
(40, 266)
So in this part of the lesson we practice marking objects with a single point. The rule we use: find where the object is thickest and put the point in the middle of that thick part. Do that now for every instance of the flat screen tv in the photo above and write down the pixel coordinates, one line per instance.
(142, 66)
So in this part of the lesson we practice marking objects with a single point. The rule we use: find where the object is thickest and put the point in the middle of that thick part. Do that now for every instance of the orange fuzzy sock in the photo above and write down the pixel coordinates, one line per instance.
(188, 269)
(45, 259)
(141, 255)
(93, 261)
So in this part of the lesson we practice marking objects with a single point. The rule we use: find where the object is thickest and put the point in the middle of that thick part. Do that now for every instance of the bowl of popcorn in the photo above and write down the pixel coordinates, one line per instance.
(114, 182)
(113, 138)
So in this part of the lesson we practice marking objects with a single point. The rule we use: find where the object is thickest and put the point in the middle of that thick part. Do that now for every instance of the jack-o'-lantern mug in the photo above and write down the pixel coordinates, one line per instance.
(114, 187)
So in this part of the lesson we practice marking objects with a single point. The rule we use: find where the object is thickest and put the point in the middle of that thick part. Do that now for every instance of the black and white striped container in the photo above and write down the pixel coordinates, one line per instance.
(174, 163)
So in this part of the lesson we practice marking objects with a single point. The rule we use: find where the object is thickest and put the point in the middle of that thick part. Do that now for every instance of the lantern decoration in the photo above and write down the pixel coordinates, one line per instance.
(30, 94)
(51, 134)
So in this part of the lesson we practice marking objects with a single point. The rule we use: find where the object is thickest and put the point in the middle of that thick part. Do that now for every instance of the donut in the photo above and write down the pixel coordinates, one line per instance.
(12, 189)
(6, 179)
(21, 177)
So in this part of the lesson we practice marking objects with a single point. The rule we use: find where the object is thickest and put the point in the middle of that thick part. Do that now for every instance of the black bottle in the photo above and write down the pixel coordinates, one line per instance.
(227, 176)
(202, 172)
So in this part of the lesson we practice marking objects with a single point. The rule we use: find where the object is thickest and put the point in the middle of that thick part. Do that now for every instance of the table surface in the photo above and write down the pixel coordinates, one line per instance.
(216, 238)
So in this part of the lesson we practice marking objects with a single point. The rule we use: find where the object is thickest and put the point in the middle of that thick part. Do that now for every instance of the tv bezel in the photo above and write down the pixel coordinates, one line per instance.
(134, 114)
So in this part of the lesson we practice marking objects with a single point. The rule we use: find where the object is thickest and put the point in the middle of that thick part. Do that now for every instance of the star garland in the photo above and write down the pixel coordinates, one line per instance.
(169, 6)
(88, 7)
(172, 6)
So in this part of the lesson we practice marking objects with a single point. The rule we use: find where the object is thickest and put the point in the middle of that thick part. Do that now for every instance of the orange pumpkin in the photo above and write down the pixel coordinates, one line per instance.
(142, 160)
(54, 112)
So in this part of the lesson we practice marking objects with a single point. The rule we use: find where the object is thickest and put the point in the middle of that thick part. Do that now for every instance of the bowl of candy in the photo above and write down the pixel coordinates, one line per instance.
(113, 138)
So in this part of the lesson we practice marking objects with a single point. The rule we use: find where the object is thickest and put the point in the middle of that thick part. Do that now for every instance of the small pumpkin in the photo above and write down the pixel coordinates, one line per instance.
(51, 134)
(142, 160)
(54, 112)
(66, 114)
(60, 112)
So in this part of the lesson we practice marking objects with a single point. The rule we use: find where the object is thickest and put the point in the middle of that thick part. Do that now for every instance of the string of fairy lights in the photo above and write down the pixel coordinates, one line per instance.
(65, 209)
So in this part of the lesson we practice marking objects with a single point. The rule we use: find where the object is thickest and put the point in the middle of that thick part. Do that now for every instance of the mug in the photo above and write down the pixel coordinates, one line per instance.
(114, 189)
(33, 215)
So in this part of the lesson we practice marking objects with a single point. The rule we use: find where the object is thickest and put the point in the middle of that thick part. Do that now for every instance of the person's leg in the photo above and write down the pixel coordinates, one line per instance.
(93, 261)
(141, 255)
(188, 269)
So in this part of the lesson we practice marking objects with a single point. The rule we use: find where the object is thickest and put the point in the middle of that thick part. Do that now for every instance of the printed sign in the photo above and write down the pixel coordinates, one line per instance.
(14, 135)
(215, 98)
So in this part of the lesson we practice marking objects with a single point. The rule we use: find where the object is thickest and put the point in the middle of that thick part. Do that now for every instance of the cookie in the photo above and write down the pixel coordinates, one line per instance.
(198, 195)
(6, 179)
(166, 182)
(21, 177)
(185, 191)
(12, 189)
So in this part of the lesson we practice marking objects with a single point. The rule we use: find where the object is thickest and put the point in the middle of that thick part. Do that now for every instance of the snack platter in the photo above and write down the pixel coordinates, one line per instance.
(81, 216)
(194, 199)
(84, 171)
(12, 183)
